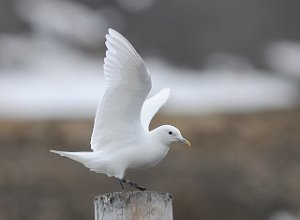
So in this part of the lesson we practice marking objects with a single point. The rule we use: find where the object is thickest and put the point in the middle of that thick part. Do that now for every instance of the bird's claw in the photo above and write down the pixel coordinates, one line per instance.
(141, 188)
(131, 184)
(122, 184)
(135, 185)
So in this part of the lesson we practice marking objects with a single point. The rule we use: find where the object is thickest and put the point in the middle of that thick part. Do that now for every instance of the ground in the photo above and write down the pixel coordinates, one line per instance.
(243, 166)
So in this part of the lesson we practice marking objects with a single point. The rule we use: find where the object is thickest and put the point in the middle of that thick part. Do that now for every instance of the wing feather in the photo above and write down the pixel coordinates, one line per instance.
(118, 117)
(152, 105)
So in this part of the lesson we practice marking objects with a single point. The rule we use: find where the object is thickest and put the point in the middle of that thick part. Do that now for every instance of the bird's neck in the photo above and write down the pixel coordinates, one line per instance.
(157, 136)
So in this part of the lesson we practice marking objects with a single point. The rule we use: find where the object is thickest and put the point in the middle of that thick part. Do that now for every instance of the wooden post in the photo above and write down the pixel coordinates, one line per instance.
(135, 205)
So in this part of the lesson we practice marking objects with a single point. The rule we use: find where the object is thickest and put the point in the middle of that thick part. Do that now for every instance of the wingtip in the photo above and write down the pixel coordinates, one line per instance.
(110, 30)
(54, 151)
(166, 91)
(113, 32)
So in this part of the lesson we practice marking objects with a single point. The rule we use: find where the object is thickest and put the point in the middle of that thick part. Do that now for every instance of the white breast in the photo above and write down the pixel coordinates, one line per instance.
(143, 155)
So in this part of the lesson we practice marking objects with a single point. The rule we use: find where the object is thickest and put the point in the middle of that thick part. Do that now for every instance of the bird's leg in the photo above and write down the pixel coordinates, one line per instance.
(135, 185)
(131, 184)
(122, 184)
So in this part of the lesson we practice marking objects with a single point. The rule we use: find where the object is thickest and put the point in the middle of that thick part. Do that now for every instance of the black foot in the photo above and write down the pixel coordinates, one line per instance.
(131, 184)
(122, 184)
(135, 185)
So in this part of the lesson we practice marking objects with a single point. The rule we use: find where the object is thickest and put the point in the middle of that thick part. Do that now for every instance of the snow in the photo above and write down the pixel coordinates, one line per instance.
(284, 57)
(284, 215)
(40, 78)
(66, 20)
(214, 90)
(52, 82)
(44, 74)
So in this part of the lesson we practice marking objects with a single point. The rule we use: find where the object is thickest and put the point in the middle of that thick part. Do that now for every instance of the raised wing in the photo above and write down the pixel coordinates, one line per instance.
(127, 86)
(152, 105)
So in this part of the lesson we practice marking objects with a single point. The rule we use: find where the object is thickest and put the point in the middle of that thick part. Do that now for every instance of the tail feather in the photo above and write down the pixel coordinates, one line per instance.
(81, 157)
(91, 160)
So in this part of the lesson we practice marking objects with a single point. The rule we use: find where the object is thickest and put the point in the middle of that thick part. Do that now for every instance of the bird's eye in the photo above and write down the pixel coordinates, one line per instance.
(170, 132)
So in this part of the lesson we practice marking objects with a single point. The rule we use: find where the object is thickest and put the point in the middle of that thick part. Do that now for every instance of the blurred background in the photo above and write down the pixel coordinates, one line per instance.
(234, 72)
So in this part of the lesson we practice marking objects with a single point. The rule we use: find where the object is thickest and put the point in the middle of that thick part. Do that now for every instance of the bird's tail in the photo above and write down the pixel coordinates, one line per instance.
(81, 157)
(92, 160)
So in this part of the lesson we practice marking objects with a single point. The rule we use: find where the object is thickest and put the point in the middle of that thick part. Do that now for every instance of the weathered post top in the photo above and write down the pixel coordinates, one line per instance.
(135, 205)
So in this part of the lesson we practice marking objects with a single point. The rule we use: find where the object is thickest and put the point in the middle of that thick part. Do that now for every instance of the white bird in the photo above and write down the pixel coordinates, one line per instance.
(121, 140)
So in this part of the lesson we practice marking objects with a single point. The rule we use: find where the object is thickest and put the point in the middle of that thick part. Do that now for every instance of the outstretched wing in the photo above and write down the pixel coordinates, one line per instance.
(152, 105)
(127, 86)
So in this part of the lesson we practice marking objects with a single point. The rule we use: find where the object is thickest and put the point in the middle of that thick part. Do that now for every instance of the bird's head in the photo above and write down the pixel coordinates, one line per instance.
(169, 134)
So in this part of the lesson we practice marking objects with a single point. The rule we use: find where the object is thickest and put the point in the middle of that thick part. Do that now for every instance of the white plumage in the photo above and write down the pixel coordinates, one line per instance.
(121, 140)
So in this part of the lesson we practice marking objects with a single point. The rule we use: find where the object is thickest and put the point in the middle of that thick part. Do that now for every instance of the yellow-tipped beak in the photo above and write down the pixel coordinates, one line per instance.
(183, 140)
